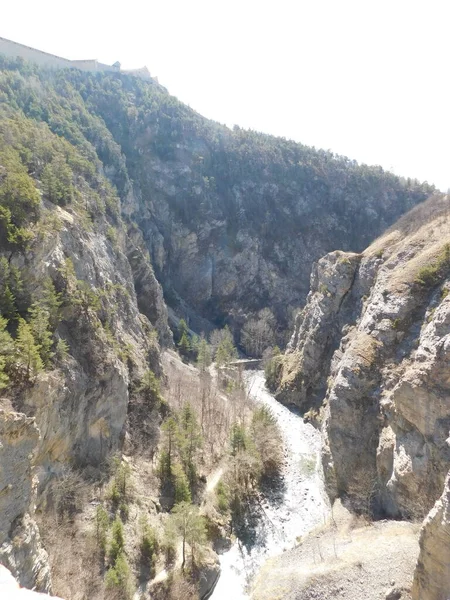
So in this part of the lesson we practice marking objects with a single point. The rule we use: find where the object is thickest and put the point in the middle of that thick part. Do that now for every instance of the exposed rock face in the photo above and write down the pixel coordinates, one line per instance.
(248, 242)
(81, 409)
(432, 575)
(316, 329)
(209, 575)
(20, 545)
(149, 293)
(386, 410)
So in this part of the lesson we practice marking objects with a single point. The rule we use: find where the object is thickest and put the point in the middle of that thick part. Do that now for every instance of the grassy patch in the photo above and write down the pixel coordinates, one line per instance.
(431, 275)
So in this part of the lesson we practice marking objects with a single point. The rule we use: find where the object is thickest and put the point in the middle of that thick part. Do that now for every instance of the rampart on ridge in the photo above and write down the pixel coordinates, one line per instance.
(45, 59)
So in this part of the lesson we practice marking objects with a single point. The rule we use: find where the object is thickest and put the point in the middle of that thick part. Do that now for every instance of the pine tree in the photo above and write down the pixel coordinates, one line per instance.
(184, 345)
(226, 350)
(204, 355)
(117, 539)
(40, 328)
(169, 429)
(189, 441)
(190, 525)
(27, 351)
(182, 492)
(50, 299)
(102, 523)
(182, 329)
(6, 352)
(8, 304)
(149, 387)
(4, 379)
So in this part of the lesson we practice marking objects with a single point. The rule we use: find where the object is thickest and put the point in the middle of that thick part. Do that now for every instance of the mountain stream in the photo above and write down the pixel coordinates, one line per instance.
(298, 505)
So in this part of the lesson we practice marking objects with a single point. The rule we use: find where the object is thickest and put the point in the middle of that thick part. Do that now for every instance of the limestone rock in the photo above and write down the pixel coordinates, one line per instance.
(373, 347)
(316, 331)
(432, 575)
(209, 575)
(20, 545)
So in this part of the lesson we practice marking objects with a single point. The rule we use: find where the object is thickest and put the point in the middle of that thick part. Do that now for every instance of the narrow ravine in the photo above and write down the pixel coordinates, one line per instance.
(299, 506)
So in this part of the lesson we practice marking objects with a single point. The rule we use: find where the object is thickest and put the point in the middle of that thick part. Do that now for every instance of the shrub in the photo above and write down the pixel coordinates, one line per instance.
(273, 369)
(182, 492)
(118, 578)
(223, 501)
(149, 388)
(101, 527)
(431, 275)
(117, 540)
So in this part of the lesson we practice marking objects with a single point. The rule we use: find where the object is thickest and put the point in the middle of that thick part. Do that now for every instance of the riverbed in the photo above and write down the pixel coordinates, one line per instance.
(298, 505)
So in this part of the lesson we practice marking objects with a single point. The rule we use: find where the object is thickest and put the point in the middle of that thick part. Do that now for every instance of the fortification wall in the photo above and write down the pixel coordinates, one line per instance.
(92, 65)
(43, 59)
(142, 73)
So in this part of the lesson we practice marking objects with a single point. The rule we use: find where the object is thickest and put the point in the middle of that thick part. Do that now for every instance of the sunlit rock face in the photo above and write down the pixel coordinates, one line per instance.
(371, 351)
(20, 545)
(432, 576)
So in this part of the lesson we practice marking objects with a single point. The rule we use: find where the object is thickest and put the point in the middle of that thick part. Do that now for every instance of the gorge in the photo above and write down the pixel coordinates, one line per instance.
(137, 241)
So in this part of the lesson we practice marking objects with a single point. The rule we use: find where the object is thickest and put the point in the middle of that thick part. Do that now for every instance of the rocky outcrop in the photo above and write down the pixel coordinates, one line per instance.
(386, 415)
(432, 575)
(209, 575)
(149, 293)
(20, 545)
(81, 408)
(317, 330)
(224, 251)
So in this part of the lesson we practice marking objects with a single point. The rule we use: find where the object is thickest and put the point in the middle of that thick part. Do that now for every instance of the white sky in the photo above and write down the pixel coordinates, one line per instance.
(364, 78)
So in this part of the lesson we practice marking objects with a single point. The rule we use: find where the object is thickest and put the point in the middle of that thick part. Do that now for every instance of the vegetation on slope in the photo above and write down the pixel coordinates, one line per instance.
(238, 192)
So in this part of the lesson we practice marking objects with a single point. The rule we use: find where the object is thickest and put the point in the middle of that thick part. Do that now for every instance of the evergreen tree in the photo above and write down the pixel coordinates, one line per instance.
(203, 355)
(118, 578)
(40, 328)
(184, 345)
(169, 429)
(182, 492)
(27, 351)
(189, 441)
(6, 352)
(18, 289)
(50, 299)
(149, 387)
(4, 379)
(226, 351)
(101, 526)
(117, 539)
(7, 299)
(6, 342)
(182, 329)
(190, 525)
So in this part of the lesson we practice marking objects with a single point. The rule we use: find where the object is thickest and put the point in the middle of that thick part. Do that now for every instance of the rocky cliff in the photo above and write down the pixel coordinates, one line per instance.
(372, 346)
(20, 544)
(370, 355)
(74, 345)
(432, 576)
